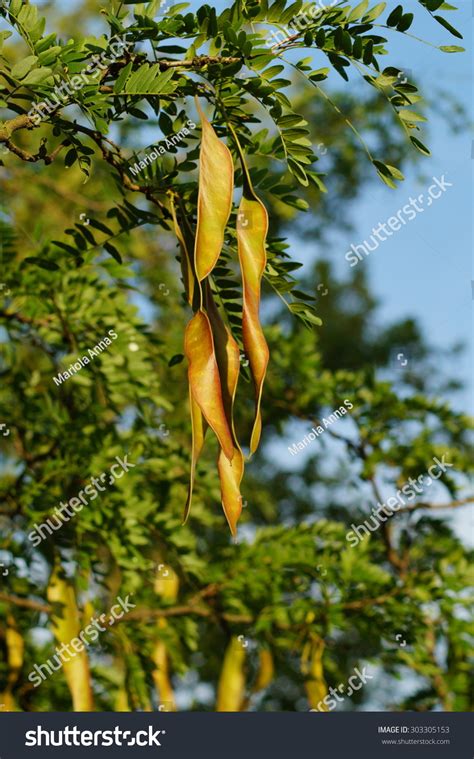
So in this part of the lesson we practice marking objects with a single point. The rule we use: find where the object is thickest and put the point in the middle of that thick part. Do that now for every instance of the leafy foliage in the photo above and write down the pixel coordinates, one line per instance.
(101, 254)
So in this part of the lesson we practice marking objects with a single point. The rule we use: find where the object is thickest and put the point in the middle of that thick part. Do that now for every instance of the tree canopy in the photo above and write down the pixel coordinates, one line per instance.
(131, 138)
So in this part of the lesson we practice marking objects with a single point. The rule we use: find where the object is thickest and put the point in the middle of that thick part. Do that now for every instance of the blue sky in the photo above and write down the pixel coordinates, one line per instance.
(425, 268)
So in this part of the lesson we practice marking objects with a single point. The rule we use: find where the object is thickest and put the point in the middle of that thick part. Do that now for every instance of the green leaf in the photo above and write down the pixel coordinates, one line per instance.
(272, 71)
(321, 38)
(448, 26)
(163, 82)
(15, 6)
(452, 49)
(134, 84)
(405, 22)
(358, 11)
(388, 171)
(368, 53)
(43, 263)
(357, 47)
(23, 67)
(171, 49)
(42, 45)
(383, 80)
(347, 43)
(310, 317)
(70, 158)
(395, 16)
(373, 14)
(275, 10)
(50, 56)
(122, 77)
(319, 75)
(176, 359)
(298, 172)
(291, 12)
(407, 115)
(290, 119)
(419, 146)
(113, 252)
(387, 179)
(101, 227)
(396, 173)
(37, 75)
(138, 114)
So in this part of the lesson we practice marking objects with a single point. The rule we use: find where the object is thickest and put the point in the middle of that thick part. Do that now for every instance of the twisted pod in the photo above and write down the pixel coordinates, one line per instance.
(212, 352)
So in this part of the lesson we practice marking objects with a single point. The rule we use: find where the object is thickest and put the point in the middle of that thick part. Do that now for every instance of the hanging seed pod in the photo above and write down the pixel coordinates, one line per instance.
(231, 688)
(216, 186)
(66, 626)
(204, 379)
(15, 649)
(312, 669)
(212, 353)
(252, 229)
(167, 587)
(228, 361)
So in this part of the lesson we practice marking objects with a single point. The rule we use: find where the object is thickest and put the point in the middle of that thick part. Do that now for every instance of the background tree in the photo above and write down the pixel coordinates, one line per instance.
(88, 247)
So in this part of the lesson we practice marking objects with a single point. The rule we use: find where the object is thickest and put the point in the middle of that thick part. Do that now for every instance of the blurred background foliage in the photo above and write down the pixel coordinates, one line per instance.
(270, 621)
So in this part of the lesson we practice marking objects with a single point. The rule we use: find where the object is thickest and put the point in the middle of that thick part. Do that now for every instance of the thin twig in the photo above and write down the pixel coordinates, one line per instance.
(26, 603)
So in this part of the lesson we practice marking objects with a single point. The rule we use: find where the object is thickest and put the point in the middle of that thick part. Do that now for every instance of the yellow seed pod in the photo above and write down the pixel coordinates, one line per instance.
(312, 669)
(66, 625)
(231, 687)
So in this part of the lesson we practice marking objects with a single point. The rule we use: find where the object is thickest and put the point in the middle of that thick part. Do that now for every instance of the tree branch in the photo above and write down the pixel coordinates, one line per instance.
(364, 602)
(423, 505)
(23, 121)
(33, 157)
(198, 62)
(26, 603)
